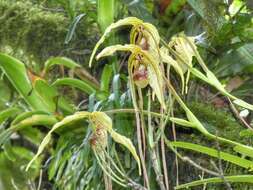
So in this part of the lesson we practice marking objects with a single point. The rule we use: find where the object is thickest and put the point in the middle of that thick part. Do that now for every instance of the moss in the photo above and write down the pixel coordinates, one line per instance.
(218, 120)
(222, 122)
(45, 36)
(37, 32)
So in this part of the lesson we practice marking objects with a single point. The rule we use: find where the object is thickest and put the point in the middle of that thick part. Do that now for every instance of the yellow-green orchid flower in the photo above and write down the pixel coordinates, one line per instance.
(143, 34)
(185, 49)
(143, 69)
(101, 125)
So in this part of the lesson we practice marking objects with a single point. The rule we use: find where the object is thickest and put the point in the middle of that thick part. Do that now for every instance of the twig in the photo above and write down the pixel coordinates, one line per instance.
(220, 170)
(135, 185)
(155, 164)
(175, 138)
(138, 126)
(187, 159)
(142, 123)
(237, 115)
(114, 111)
(40, 180)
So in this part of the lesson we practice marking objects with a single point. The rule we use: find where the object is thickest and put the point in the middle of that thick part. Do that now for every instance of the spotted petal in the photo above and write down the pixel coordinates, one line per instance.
(100, 119)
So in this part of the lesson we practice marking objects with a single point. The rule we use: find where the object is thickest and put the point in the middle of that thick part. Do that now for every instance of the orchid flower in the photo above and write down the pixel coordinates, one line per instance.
(101, 125)
(185, 49)
(143, 69)
(143, 34)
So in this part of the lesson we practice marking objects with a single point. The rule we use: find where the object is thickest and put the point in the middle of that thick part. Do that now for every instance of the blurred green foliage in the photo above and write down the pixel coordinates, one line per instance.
(35, 30)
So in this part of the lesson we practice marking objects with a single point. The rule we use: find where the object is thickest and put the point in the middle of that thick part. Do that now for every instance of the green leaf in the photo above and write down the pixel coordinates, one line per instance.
(39, 119)
(12, 172)
(116, 84)
(26, 115)
(81, 85)
(106, 78)
(47, 93)
(244, 150)
(209, 11)
(32, 134)
(5, 94)
(182, 122)
(9, 112)
(229, 179)
(105, 13)
(60, 61)
(215, 153)
(72, 28)
(51, 96)
(236, 61)
(16, 73)
(140, 10)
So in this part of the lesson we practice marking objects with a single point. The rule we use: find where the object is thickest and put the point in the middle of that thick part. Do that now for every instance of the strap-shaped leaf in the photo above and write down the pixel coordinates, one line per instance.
(72, 27)
(9, 112)
(51, 97)
(37, 119)
(85, 86)
(17, 75)
(182, 122)
(26, 115)
(230, 179)
(60, 61)
(215, 153)
(243, 104)
(106, 78)
(244, 151)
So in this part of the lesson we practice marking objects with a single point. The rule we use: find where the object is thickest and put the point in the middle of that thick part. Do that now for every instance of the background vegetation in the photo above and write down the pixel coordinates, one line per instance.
(50, 78)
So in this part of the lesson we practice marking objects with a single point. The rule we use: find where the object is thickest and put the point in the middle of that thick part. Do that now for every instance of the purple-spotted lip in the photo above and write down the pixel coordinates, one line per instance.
(140, 75)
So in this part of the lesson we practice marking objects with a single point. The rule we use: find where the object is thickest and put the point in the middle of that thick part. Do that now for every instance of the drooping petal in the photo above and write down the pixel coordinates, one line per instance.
(152, 31)
(209, 77)
(112, 49)
(169, 60)
(103, 121)
(123, 22)
(184, 49)
(155, 77)
(156, 85)
(65, 121)
(128, 144)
